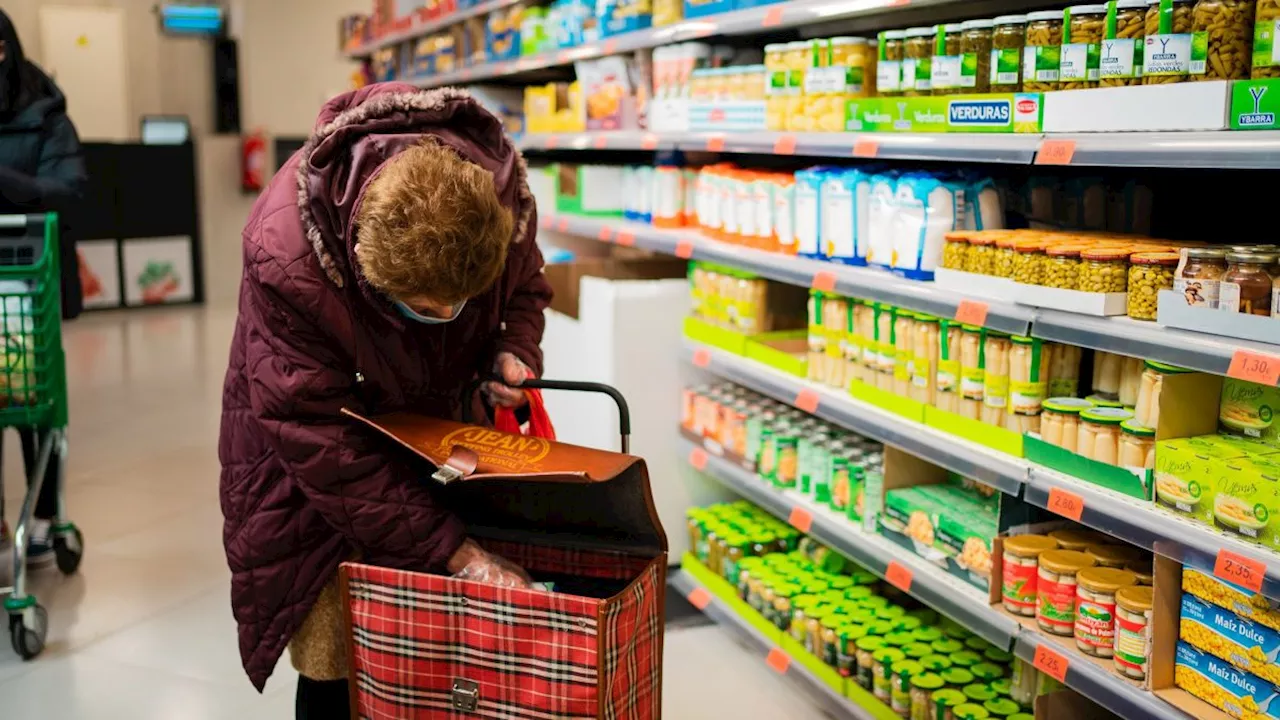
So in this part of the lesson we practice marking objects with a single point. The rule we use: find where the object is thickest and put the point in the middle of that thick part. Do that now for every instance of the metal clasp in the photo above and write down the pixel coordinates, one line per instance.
(446, 474)
(466, 695)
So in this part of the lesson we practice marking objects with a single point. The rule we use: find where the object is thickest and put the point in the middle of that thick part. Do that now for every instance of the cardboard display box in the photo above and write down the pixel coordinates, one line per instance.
(1173, 106)
(1176, 313)
(565, 278)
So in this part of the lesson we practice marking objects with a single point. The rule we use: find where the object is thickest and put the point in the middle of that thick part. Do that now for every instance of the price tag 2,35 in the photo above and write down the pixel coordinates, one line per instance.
(898, 576)
(1051, 662)
(1254, 367)
(1240, 570)
(1067, 504)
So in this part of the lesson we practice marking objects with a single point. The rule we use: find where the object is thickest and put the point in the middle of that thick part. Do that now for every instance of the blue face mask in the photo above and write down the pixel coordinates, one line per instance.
(413, 315)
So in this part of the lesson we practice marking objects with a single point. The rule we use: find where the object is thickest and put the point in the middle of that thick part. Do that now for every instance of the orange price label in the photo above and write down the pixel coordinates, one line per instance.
(1056, 152)
(865, 148)
(552, 142)
(1067, 504)
(605, 234)
(465, 75)
(700, 598)
(715, 143)
(1254, 367)
(778, 661)
(701, 357)
(684, 249)
(649, 142)
(1240, 570)
(971, 312)
(772, 18)
(807, 400)
(824, 281)
(785, 145)
(548, 221)
(610, 47)
(698, 458)
(626, 239)
(1051, 662)
(800, 519)
(600, 142)
(898, 576)
(563, 225)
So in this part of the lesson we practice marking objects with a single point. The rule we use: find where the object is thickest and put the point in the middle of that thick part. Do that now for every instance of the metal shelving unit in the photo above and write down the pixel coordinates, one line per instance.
(419, 27)
(826, 698)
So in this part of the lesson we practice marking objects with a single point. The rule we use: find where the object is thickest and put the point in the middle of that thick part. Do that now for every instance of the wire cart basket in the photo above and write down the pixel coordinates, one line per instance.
(33, 394)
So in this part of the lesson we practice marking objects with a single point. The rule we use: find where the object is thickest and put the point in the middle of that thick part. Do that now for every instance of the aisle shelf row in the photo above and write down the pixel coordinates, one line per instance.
(1137, 522)
(1191, 350)
(718, 611)
(417, 26)
(1235, 150)
(959, 601)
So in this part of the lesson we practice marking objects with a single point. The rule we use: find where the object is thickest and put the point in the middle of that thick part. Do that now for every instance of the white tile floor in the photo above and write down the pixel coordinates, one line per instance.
(145, 630)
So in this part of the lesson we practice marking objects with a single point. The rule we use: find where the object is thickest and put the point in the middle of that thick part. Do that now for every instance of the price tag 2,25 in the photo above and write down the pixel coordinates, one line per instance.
(807, 400)
(1254, 367)
(1051, 662)
(1240, 570)
(1067, 504)
(898, 576)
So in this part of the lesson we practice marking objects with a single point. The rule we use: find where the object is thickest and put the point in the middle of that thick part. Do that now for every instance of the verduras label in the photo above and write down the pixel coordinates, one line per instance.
(1120, 58)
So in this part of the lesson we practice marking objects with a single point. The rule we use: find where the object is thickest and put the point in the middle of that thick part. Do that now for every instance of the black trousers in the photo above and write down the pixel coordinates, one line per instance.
(47, 503)
(322, 700)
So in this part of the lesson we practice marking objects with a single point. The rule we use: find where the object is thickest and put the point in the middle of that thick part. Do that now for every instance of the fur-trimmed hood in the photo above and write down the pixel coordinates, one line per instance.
(357, 132)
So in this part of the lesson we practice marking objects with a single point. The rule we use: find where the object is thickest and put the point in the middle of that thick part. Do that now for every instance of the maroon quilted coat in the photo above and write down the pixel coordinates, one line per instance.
(302, 487)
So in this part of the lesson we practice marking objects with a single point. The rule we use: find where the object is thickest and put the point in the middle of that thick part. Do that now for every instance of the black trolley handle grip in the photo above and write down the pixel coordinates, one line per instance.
(624, 413)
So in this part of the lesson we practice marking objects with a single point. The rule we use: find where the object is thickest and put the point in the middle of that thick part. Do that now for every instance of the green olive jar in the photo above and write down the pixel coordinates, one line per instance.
(1104, 270)
(1062, 267)
(1028, 261)
(1149, 273)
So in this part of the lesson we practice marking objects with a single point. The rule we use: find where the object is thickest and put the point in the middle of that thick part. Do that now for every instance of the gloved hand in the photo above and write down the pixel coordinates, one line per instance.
(472, 562)
(513, 373)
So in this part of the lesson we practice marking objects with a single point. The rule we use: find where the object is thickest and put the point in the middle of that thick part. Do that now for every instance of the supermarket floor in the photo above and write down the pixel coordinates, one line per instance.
(145, 630)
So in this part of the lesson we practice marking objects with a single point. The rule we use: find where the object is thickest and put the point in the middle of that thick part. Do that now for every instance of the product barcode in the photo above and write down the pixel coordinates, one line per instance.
(1006, 78)
(1197, 67)
(1047, 75)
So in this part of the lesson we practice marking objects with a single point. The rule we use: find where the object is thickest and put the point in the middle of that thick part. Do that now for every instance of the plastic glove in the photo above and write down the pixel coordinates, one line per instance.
(513, 372)
(472, 562)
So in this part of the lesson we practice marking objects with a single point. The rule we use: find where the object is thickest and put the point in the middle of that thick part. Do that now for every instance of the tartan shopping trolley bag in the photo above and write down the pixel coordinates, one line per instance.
(433, 646)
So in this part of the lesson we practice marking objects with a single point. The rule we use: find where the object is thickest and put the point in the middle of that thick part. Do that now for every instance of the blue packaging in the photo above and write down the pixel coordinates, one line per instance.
(702, 8)
(982, 206)
(807, 213)
(883, 187)
(838, 214)
(615, 17)
(1226, 688)
(926, 208)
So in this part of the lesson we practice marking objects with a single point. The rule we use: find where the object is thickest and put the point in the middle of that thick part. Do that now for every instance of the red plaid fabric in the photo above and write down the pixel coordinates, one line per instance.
(602, 564)
(535, 655)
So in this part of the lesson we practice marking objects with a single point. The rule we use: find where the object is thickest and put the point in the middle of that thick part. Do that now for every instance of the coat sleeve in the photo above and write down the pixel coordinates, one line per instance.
(59, 178)
(529, 295)
(299, 382)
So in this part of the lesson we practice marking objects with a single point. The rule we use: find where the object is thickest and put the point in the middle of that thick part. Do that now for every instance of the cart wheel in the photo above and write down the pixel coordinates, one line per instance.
(28, 641)
(68, 548)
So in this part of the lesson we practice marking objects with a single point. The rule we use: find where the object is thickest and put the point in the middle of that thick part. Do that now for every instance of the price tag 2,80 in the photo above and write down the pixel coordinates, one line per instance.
(1240, 570)
(971, 312)
(1067, 504)
(1051, 662)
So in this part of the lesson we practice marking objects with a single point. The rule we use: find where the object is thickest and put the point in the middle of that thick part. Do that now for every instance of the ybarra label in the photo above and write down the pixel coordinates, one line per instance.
(980, 113)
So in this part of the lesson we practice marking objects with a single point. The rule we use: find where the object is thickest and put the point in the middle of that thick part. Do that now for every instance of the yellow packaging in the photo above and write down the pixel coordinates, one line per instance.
(775, 87)
(797, 58)
(667, 12)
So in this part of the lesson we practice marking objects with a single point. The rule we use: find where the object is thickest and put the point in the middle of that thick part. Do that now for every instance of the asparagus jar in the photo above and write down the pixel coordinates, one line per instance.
(944, 75)
(995, 380)
(975, 56)
(1168, 42)
(972, 371)
(1227, 26)
(1266, 52)
(1059, 423)
(1132, 650)
(1021, 557)
(1008, 36)
(1099, 435)
(1149, 273)
(1137, 445)
(1042, 52)
(947, 383)
(917, 61)
(1120, 62)
(1081, 47)
(1056, 590)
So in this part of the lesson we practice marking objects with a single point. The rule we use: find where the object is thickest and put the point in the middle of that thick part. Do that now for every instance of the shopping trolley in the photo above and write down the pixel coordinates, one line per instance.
(590, 646)
(33, 394)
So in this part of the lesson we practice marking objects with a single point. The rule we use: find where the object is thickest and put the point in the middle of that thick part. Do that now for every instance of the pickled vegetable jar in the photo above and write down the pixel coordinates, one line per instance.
(1081, 45)
(889, 80)
(1168, 42)
(979, 258)
(944, 78)
(1098, 437)
(1021, 562)
(1062, 268)
(1122, 64)
(1149, 273)
(1028, 372)
(975, 56)
(1132, 649)
(904, 325)
(1059, 423)
(1002, 264)
(1137, 445)
(1007, 39)
(1198, 279)
(917, 61)
(1096, 608)
(886, 354)
(995, 384)
(1104, 270)
(955, 249)
(1042, 53)
(1028, 262)
(925, 367)
(1246, 286)
(1056, 590)
(947, 384)
(923, 686)
(1227, 26)
(972, 371)
(1130, 380)
(900, 676)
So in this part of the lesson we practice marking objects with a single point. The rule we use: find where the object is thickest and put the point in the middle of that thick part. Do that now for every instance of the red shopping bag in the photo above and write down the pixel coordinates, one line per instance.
(539, 426)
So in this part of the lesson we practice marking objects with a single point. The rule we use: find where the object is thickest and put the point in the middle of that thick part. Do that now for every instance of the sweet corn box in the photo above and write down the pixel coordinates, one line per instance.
(1235, 692)
(1243, 643)
(1241, 601)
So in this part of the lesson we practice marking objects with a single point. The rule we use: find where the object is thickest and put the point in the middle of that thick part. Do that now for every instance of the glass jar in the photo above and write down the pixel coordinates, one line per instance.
(889, 81)
(1133, 631)
(847, 650)
(1002, 263)
(1137, 445)
(1064, 371)
(1144, 571)
(1028, 261)
(882, 661)
(1008, 36)
(955, 248)
(923, 686)
(1096, 608)
(1266, 65)
(1130, 380)
(904, 325)
(1098, 437)
(975, 56)
(1197, 280)
(1056, 590)
(885, 355)
(917, 61)
(1042, 53)
(925, 367)
(1227, 26)
(995, 378)
(972, 371)
(934, 662)
(1028, 372)
(943, 704)
(1246, 285)
(1149, 273)
(1081, 47)
(873, 51)
(980, 256)
(947, 383)
(1021, 560)
(944, 76)
(864, 327)
(1122, 63)
(1062, 267)
(1104, 270)
(866, 649)
(1106, 374)
(851, 54)
(900, 674)
(1168, 27)
(1059, 423)
(1146, 412)
(1114, 556)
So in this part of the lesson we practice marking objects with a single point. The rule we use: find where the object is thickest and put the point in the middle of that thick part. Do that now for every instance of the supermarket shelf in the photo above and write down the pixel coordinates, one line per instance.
(856, 281)
(1001, 471)
(961, 602)
(1227, 150)
(1145, 524)
(1100, 684)
(616, 140)
(826, 698)
(419, 27)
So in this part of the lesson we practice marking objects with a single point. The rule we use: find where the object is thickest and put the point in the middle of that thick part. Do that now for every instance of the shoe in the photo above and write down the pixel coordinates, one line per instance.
(40, 544)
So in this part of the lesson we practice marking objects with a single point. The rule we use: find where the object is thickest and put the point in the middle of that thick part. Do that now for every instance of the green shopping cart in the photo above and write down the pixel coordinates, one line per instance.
(33, 394)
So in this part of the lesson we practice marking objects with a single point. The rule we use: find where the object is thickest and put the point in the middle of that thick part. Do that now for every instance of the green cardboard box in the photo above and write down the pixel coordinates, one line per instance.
(1255, 104)
(996, 113)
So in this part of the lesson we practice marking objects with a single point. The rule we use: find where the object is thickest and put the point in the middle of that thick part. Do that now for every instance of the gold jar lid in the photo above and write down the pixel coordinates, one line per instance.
(1029, 545)
(1114, 555)
(1144, 572)
(1104, 579)
(1077, 539)
(1135, 598)
(1065, 562)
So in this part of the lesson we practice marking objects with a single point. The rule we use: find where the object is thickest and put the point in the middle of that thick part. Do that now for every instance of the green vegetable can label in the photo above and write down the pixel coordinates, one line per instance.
(1264, 43)
(1095, 624)
(1120, 58)
(1079, 62)
(1040, 63)
(969, 70)
(1004, 66)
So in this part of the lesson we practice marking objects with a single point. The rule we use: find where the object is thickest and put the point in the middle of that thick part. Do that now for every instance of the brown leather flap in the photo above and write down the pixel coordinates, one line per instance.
(521, 486)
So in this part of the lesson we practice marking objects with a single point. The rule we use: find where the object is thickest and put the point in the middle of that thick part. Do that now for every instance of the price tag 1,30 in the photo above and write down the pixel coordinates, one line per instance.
(1254, 367)
(971, 312)
(1051, 662)
(800, 519)
(898, 576)
(715, 143)
(700, 598)
(772, 18)
(1240, 570)
(866, 148)
(778, 661)
(1067, 504)
(785, 145)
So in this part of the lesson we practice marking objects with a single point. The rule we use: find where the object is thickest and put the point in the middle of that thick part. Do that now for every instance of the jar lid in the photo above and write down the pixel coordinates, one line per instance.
(978, 691)
(893, 34)
(1105, 580)
(1253, 258)
(1102, 401)
(1105, 254)
(1106, 415)
(1023, 340)
(947, 697)
(1069, 405)
(917, 650)
(880, 627)
(775, 47)
(1001, 685)
(1029, 545)
(1001, 706)
(928, 681)
(1131, 3)
(935, 663)
(1135, 598)
(1131, 427)
(1006, 241)
(1206, 253)
(1010, 19)
(1087, 9)
(966, 659)
(971, 328)
(848, 41)
(1143, 571)
(998, 656)
(1114, 555)
(922, 317)
(956, 236)
(1028, 246)
(870, 643)
(976, 643)
(982, 240)
(986, 672)
(907, 624)
(957, 675)
(1165, 368)
(922, 31)
(888, 655)
(1065, 561)
(976, 24)
(952, 27)
(1066, 250)
(1169, 258)
(898, 638)
(852, 632)
(1029, 716)
(798, 45)
(947, 646)
(1047, 15)
(926, 634)
(906, 667)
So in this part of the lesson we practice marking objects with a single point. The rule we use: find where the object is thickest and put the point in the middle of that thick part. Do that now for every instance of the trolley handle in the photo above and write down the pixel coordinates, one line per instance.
(624, 413)
(20, 224)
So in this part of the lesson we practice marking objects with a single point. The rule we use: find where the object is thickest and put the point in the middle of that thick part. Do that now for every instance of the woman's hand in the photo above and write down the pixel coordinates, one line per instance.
(472, 562)
(513, 373)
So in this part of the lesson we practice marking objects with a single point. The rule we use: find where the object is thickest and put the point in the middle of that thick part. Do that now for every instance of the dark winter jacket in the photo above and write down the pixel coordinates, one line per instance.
(302, 487)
